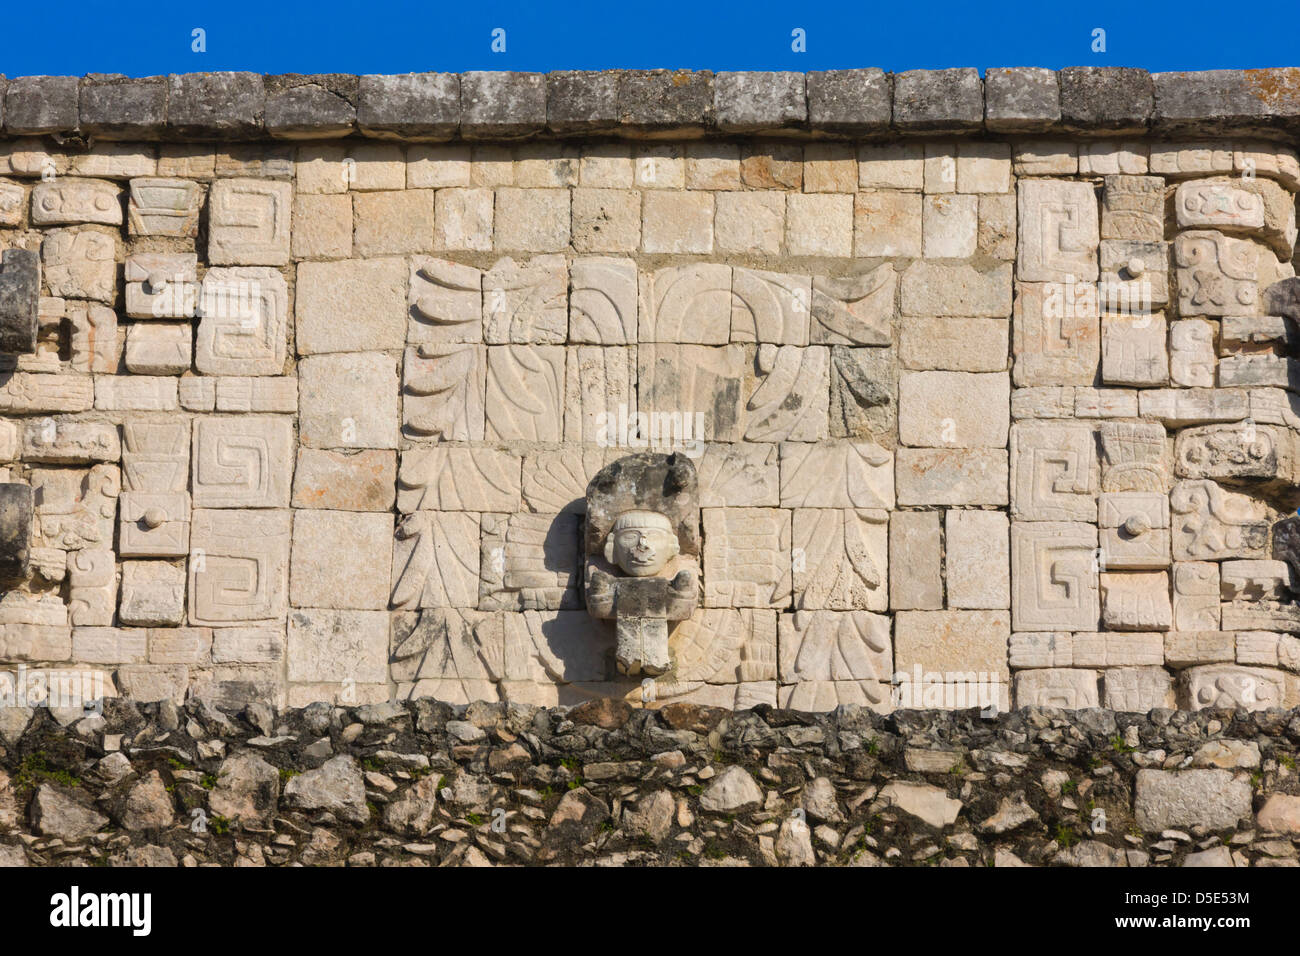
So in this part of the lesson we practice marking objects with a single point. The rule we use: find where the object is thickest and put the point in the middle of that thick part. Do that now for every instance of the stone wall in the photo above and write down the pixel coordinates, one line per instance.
(425, 783)
(987, 382)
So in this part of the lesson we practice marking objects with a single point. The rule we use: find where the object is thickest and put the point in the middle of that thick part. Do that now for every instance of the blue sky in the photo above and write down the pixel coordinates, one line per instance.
(397, 36)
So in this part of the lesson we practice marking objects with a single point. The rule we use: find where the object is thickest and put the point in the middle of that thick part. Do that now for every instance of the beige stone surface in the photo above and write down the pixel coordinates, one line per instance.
(977, 565)
(749, 222)
(953, 642)
(318, 579)
(953, 409)
(889, 223)
(393, 223)
(249, 222)
(954, 344)
(915, 561)
(353, 305)
(463, 219)
(348, 400)
(338, 645)
(606, 220)
(746, 557)
(952, 476)
(531, 220)
(343, 481)
(322, 226)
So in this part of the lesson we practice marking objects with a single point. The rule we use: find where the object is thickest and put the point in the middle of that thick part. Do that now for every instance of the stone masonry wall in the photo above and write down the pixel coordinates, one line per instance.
(992, 399)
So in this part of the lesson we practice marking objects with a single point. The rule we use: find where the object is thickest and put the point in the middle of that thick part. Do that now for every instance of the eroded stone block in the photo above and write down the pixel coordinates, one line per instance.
(245, 315)
(747, 557)
(854, 310)
(978, 566)
(526, 303)
(839, 559)
(1136, 601)
(1191, 353)
(1216, 274)
(248, 222)
(153, 594)
(1054, 576)
(242, 461)
(75, 201)
(834, 646)
(20, 291)
(1068, 689)
(239, 567)
(1053, 472)
(318, 579)
(1211, 523)
(164, 207)
(159, 349)
(80, 264)
(1058, 231)
(1056, 338)
(154, 524)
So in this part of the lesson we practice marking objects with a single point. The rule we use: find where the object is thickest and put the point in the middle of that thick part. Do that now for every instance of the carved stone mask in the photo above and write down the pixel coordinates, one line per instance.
(641, 543)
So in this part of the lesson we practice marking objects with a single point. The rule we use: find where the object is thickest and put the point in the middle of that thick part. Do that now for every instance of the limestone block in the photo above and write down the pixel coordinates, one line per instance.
(598, 382)
(454, 655)
(371, 293)
(1211, 523)
(28, 643)
(525, 393)
(983, 167)
(393, 223)
(1133, 350)
(1260, 616)
(186, 645)
(317, 578)
(890, 223)
(1176, 407)
(1191, 353)
(854, 310)
(255, 160)
(712, 165)
(772, 165)
(247, 645)
(819, 224)
(248, 222)
(840, 474)
(603, 301)
(725, 645)
(1190, 158)
(92, 587)
(1137, 689)
(1253, 581)
(322, 226)
(458, 479)
(153, 594)
(348, 400)
(239, 567)
(749, 222)
(790, 394)
(1267, 159)
(864, 398)
(338, 645)
(75, 507)
(161, 285)
(110, 645)
(891, 166)
(1216, 274)
(26, 392)
(12, 200)
(154, 524)
(238, 393)
(242, 462)
(442, 389)
(159, 349)
(164, 207)
(680, 222)
(1053, 472)
(1231, 686)
(606, 220)
(834, 646)
(1134, 529)
(1118, 649)
(463, 219)
(1133, 207)
(978, 565)
(135, 393)
(915, 564)
(155, 456)
(686, 304)
(955, 344)
(446, 302)
(952, 476)
(1196, 596)
(770, 307)
(1260, 647)
(1056, 334)
(526, 303)
(939, 289)
(1134, 276)
(1259, 369)
(345, 481)
(1058, 231)
(18, 607)
(746, 557)
(738, 475)
(187, 160)
(606, 165)
(1136, 601)
(65, 442)
(1045, 158)
(1108, 158)
(953, 409)
(997, 226)
(76, 200)
(829, 168)
(1219, 204)
(955, 644)
(1068, 689)
(1240, 333)
(1233, 452)
(692, 380)
(1054, 575)
(940, 168)
(840, 559)
(950, 226)
(529, 561)
(1105, 402)
(1185, 648)
(1031, 650)
(79, 264)
(556, 647)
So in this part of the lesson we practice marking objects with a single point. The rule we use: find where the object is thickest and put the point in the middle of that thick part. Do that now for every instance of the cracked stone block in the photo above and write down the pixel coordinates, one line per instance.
(80, 264)
(153, 594)
(864, 396)
(1021, 99)
(337, 645)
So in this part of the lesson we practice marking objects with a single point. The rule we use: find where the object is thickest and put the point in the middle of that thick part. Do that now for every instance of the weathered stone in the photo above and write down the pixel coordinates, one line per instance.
(55, 813)
(732, 791)
(1166, 800)
(929, 804)
(20, 289)
(336, 787)
(915, 580)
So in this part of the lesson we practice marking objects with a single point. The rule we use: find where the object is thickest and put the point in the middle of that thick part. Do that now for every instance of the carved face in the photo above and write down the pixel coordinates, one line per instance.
(641, 543)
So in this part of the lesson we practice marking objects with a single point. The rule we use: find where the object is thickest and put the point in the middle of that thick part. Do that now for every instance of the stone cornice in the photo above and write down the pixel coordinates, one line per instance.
(865, 104)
